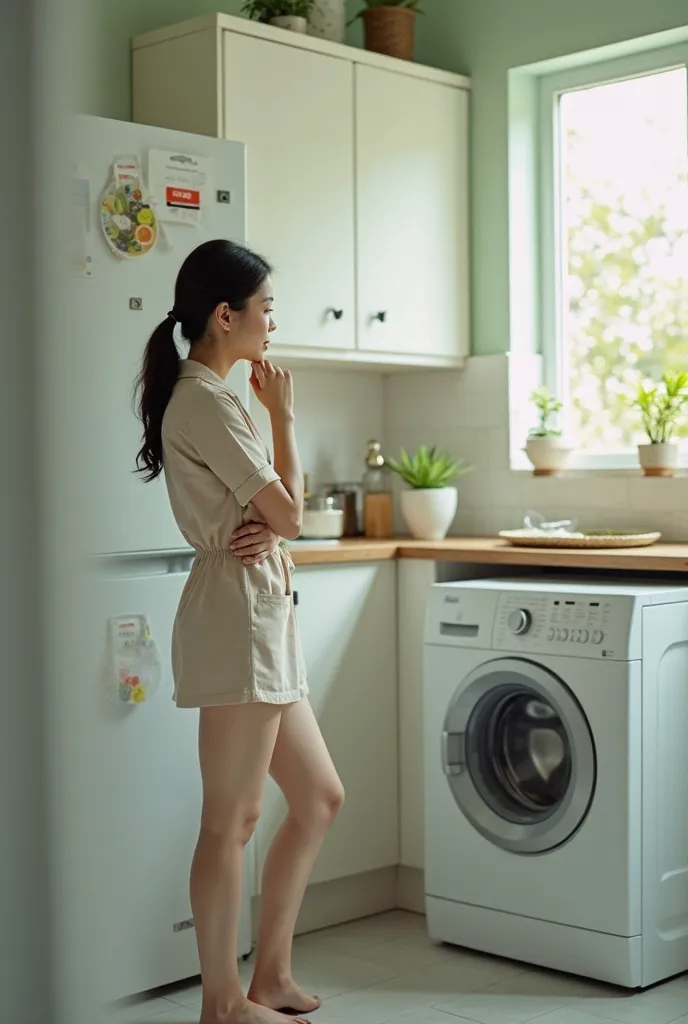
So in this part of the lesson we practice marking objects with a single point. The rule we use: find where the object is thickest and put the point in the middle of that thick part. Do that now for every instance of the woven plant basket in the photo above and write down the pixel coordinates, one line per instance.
(390, 30)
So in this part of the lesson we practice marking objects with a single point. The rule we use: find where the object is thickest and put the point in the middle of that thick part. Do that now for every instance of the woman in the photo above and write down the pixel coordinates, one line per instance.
(236, 652)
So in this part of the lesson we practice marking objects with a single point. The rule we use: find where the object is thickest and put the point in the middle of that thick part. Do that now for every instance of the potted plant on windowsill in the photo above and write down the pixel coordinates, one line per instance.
(430, 505)
(390, 26)
(545, 446)
(289, 14)
(662, 406)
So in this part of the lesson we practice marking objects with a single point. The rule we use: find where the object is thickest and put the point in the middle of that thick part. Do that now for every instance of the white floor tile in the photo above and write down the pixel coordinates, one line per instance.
(662, 1005)
(518, 999)
(139, 1011)
(567, 1015)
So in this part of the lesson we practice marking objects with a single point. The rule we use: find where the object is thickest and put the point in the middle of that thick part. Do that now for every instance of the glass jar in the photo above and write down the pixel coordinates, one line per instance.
(378, 508)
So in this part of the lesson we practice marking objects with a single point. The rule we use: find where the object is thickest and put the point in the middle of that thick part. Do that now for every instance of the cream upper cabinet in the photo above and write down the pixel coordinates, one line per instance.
(412, 230)
(356, 181)
(293, 110)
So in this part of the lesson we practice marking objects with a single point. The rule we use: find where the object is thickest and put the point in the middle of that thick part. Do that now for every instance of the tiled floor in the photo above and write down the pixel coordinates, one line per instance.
(386, 969)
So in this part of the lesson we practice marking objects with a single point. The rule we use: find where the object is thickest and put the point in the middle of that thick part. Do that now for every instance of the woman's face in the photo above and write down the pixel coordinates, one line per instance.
(251, 327)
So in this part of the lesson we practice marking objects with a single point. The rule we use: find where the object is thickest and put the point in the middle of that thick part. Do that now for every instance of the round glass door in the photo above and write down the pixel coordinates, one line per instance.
(519, 756)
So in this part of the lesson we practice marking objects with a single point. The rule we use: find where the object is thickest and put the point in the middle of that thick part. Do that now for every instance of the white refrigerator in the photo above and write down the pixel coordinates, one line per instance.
(125, 779)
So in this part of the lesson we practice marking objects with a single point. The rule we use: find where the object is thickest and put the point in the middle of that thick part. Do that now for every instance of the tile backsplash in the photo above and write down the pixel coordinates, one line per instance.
(337, 412)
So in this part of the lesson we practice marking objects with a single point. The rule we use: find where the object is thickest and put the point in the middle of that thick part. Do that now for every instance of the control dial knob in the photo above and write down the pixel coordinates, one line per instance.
(520, 621)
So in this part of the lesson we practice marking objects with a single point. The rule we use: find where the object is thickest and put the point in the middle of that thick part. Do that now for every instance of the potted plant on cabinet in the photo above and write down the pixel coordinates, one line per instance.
(545, 446)
(290, 14)
(390, 26)
(328, 20)
(662, 407)
(430, 505)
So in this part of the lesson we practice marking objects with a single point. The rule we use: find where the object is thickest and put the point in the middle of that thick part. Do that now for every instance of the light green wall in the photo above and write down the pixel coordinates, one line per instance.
(483, 38)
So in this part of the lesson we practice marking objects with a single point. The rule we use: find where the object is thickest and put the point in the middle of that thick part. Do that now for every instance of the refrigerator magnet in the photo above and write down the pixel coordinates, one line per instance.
(127, 215)
(133, 669)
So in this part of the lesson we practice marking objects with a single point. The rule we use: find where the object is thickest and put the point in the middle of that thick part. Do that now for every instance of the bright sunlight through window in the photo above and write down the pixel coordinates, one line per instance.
(623, 236)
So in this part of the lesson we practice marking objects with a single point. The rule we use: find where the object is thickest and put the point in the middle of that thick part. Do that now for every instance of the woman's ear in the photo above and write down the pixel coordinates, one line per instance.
(223, 315)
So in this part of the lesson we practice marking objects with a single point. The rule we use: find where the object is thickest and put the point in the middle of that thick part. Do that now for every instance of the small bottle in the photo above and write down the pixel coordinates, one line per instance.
(378, 508)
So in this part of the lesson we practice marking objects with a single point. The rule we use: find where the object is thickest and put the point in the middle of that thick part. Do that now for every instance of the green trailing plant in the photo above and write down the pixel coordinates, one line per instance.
(371, 5)
(266, 10)
(662, 406)
(428, 469)
(547, 407)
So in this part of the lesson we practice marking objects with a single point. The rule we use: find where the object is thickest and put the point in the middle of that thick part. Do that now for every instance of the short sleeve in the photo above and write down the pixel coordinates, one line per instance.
(224, 441)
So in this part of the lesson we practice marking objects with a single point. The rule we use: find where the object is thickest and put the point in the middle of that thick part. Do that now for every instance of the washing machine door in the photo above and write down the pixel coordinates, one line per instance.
(519, 756)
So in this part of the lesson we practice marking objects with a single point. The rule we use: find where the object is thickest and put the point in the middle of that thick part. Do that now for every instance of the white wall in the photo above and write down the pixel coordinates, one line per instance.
(336, 413)
(467, 414)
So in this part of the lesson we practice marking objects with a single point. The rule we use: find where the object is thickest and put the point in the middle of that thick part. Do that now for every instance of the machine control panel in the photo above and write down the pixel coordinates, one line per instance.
(580, 624)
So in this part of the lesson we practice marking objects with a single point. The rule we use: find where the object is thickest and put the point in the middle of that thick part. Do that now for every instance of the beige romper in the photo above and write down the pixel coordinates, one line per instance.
(235, 637)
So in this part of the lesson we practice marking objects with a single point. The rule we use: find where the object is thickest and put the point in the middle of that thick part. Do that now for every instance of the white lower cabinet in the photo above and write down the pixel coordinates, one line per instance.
(347, 616)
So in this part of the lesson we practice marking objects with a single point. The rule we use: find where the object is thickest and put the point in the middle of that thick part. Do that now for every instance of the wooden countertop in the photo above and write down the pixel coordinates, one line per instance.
(492, 551)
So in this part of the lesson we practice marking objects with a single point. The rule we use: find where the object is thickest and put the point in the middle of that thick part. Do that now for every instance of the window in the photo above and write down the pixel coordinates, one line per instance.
(614, 241)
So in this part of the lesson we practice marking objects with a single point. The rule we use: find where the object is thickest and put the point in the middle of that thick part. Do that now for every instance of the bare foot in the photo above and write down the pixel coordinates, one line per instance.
(286, 997)
(250, 1012)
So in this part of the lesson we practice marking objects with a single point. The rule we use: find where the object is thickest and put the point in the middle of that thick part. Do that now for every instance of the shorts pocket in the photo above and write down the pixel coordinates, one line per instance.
(272, 642)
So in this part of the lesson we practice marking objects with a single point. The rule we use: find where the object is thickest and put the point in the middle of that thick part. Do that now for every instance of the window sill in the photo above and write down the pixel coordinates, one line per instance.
(612, 465)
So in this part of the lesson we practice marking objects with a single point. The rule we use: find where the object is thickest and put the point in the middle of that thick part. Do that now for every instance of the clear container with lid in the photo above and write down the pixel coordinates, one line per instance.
(378, 508)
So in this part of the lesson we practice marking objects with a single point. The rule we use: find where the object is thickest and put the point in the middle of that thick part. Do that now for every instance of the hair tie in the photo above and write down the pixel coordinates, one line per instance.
(172, 317)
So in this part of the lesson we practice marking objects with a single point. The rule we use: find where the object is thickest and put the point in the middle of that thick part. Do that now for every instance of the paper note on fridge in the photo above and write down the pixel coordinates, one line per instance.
(178, 183)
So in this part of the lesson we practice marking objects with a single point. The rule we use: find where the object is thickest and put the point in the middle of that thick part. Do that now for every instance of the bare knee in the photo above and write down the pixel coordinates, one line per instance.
(320, 807)
(236, 825)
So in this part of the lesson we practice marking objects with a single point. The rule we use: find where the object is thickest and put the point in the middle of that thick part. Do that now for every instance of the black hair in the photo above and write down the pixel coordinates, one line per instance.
(215, 272)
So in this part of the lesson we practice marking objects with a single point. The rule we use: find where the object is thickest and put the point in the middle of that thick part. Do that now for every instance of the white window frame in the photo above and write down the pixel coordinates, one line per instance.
(551, 87)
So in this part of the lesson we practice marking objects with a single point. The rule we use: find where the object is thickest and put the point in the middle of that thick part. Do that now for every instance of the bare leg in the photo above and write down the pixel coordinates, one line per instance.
(235, 748)
(302, 767)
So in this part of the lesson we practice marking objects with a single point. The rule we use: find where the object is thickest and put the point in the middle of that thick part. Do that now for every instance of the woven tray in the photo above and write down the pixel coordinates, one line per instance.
(532, 539)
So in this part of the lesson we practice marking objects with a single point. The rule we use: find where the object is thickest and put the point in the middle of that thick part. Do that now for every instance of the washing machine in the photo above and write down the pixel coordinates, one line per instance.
(556, 774)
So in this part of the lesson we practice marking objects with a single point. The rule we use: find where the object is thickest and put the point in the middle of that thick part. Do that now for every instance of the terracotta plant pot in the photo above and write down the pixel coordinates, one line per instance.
(390, 30)
(548, 455)
(291, 24)
(658, 459)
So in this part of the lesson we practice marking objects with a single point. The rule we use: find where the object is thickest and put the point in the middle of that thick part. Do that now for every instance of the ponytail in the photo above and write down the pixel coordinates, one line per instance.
(154, 386)
(215, 272)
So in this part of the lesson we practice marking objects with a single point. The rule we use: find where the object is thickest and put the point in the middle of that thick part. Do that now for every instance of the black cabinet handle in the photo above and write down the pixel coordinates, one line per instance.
(381, 316)
(296, 597)
(337, 313)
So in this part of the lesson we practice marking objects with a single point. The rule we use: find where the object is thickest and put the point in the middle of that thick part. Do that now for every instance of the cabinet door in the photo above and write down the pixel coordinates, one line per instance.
(412, 219)
(347, 623)
(294, 111)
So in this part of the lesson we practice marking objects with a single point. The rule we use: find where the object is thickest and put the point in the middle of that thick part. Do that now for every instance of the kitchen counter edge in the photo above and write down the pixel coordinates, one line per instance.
(493, 551)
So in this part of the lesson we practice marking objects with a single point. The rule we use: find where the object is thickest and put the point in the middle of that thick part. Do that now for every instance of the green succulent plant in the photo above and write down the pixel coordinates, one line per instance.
(265, 10)
(428, 469)
(662, 406)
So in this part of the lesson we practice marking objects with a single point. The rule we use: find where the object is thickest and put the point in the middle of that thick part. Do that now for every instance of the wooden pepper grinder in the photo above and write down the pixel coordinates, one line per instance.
(378, 508)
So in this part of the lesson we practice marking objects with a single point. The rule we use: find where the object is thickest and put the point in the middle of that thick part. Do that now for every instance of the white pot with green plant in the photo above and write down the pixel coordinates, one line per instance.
(328, 20)
(662, 408)
(545, 446)
(289, 14)
(430, 505)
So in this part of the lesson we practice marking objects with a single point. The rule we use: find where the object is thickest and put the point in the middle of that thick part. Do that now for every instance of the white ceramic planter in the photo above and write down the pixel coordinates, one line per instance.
(429, 514)
(548, 455)
(658, 459)
(328, 20)
(291, 23)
